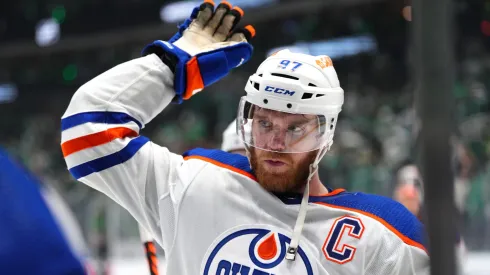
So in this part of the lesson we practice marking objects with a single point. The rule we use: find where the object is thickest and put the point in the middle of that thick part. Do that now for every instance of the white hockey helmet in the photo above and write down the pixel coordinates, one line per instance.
(292, 104)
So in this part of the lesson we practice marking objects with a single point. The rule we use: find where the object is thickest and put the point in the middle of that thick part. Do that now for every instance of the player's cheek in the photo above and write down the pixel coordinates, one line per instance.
(298, 158)
(261, 139)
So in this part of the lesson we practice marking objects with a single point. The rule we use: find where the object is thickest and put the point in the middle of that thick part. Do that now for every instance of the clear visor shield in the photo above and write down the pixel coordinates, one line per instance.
(278, 131)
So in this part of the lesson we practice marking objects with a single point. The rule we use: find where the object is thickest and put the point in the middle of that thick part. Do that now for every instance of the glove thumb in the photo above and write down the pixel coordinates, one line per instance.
(216, 64)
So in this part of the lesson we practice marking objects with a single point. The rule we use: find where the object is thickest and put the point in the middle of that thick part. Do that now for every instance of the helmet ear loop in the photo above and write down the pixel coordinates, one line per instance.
(322, 123)
(249, 156)
(321, 132)
(318, 158)
(247, 147)
(321, 153)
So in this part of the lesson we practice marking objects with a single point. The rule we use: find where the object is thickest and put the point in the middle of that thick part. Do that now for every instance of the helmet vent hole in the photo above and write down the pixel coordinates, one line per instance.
(285, 76)
(311, 85)
(331, 126)
(307, 95)
(289, 105)
(257, 86)
(319, 95)
(260, 75)
(266, 101)
(332, 120)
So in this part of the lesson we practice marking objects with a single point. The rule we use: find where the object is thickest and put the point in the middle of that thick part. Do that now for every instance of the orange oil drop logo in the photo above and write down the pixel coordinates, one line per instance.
(267, 249)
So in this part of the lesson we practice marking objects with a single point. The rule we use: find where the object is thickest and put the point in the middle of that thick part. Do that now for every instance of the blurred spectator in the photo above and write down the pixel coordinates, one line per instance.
(231, 142)
(462, 162)
(409, 189)
(409, 192)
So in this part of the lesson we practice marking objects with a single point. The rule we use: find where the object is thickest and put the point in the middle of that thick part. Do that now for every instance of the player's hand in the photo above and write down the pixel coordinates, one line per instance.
(206, 48)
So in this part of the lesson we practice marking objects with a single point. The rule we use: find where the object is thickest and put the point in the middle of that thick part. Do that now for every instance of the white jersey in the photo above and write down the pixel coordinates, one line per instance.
(206, 209)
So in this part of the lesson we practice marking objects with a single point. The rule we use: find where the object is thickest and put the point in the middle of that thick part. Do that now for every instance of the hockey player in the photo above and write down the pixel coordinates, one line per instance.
(219, 213)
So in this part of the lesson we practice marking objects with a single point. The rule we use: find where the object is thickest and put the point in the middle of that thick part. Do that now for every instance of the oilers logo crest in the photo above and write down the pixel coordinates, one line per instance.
(254, 251)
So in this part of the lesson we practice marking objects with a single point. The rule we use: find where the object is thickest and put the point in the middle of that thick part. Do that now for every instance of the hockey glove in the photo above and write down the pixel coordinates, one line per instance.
(205, 49)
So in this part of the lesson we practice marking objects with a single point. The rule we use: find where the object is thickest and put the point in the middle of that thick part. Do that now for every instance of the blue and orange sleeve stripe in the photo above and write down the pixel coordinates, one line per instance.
(92, 140)
(97, 117)
(84, 142)
(108, 161)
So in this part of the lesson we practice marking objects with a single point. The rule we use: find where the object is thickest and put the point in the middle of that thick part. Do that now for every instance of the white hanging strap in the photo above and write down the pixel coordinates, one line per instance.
(300, 220)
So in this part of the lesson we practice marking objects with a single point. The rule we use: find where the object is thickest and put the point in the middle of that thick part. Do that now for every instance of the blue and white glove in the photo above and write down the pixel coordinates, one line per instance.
(206, 48)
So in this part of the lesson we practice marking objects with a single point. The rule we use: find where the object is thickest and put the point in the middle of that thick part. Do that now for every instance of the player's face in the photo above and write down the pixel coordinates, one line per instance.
(273, 131)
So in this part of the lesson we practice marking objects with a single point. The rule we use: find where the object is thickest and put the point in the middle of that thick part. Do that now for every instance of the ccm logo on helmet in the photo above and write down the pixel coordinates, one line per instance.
(279, 90)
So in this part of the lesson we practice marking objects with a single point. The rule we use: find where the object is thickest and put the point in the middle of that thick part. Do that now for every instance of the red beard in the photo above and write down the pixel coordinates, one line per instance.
(292, 180)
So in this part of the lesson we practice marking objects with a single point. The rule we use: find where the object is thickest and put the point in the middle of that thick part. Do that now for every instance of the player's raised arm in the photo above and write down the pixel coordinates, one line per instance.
(100, 129)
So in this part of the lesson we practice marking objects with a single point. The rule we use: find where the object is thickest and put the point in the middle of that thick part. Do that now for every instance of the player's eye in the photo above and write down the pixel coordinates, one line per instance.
(265, 124)
(296, 130)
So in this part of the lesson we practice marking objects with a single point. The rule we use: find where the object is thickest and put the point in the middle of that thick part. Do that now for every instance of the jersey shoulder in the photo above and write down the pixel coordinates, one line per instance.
(232, 162)
(390, 213)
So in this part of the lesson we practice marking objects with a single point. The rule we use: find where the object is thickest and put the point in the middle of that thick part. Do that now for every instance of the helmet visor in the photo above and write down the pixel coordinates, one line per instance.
(278, 131)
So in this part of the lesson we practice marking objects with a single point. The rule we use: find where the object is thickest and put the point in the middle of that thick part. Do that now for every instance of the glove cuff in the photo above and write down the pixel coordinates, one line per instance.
(176, 59)
(167, 58)
(193, 73)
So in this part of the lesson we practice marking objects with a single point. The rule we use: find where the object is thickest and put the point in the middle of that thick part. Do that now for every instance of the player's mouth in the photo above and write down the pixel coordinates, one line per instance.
(275, 163)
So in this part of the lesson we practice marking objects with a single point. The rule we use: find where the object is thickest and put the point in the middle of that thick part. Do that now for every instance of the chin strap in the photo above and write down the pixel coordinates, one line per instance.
(300, 220)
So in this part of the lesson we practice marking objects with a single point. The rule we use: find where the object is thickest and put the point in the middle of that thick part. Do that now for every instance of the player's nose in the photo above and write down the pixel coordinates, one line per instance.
(277, 141)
